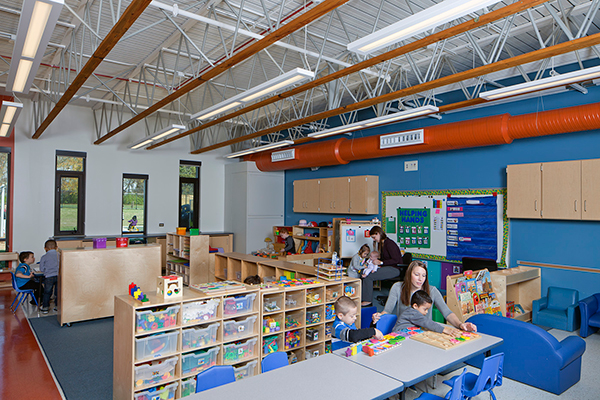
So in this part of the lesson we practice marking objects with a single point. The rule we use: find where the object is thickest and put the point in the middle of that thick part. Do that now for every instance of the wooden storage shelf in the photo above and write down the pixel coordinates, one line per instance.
(521, 285)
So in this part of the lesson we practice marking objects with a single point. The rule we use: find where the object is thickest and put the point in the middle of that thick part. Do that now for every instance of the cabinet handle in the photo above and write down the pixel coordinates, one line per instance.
(331, 204)
(535, 205)
(334, 205)
(585, 206)
(350, 205)
(575, 205)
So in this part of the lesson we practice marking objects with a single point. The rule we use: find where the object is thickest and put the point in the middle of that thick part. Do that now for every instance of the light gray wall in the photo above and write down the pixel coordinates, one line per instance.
(73, 129)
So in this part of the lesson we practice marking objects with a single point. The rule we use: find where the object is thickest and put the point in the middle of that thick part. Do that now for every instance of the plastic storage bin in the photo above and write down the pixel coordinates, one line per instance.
(149, 320)
(245, 371)
(155, 346)
(166, 393)
(239, 304)
(188, 387)
(234, 353)
(194, 338)
(199, 360)
(238, 329)
(199, 312)
(149, 374)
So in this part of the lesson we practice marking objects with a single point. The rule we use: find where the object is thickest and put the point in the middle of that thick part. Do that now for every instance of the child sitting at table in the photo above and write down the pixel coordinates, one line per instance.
(344, 327)
(24, 274)
(420, 303)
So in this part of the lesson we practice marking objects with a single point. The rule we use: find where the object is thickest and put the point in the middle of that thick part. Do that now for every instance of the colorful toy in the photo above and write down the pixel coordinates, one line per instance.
(331, 294)
(169, 287)
(313, 317)
(329, 311)
(238, 351)
(312, 334)
(327, 347)
(373, 347)
(312, 297)
(292, 358)
(290, 322)
(443, 341)
(270, 325)
(217, 287)
(199, 337)
(349, 290)
(137, 293)
(159, 318)
(270, 344)
(328, 330)
(160, 392)
(285, 282)
(292, 339)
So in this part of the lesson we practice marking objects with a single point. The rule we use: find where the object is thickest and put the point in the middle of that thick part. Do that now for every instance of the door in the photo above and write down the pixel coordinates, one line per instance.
(561, 190)
(188, 202)
(590, 189)
(524, 191)
(69, 204)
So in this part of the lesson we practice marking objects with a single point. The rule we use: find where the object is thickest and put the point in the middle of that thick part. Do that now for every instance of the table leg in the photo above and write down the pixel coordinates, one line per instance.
(403, 394)
(488, 353)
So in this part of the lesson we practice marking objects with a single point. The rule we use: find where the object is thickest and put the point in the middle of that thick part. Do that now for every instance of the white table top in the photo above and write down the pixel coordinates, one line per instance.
(323, 377)
(413, 361)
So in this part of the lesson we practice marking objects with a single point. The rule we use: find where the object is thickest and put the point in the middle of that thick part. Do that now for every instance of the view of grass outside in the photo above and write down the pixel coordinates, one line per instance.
(69, 188)
(134, 198)
(68, 217)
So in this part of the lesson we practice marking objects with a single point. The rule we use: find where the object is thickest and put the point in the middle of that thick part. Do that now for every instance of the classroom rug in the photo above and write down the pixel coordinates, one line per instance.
(80, 355)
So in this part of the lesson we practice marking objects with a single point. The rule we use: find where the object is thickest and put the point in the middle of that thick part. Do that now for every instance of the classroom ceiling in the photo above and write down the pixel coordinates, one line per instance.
(173, 43)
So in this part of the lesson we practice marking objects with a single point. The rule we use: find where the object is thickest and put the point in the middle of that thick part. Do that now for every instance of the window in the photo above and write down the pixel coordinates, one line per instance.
(135, 215)
(4, 196)
(189, 194)
(69, 204)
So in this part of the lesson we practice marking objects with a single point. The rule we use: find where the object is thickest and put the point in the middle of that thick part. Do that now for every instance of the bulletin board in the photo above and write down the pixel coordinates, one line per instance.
(447, 225)
(353, 236)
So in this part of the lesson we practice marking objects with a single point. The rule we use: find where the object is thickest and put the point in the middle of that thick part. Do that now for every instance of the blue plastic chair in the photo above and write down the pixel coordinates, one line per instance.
(216, 375)
(366, 316)
(273, 361)
(386, 323)
(489, 377)
(456, 393)
(21, 293)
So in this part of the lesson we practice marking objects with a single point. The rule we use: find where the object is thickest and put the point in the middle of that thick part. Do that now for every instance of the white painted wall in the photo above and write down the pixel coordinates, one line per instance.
(73, 129)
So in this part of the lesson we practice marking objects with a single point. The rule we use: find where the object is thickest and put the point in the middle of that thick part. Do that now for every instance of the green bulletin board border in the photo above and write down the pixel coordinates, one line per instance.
(454, 192)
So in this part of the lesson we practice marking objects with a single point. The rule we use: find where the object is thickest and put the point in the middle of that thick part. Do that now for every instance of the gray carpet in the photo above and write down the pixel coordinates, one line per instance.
(81, 355)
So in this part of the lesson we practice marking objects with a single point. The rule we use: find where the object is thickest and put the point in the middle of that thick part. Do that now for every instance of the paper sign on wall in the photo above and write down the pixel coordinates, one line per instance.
(350, 235)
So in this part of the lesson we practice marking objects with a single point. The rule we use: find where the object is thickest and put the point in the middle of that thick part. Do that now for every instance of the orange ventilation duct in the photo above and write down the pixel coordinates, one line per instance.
(487, 131)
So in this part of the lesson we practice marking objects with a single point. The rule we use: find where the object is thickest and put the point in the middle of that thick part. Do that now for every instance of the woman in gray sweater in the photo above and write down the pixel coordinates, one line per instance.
(400, 294)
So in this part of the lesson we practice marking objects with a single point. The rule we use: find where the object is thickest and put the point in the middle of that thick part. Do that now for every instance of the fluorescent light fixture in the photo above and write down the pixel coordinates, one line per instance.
(9, 112)
(258, 149)
(415, 24)
(401, 115)
(38, 18)
(145, 141)
(541, 84)
(294, 76)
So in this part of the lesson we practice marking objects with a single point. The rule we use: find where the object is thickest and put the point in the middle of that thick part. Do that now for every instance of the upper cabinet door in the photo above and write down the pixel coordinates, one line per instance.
(561, 190)
(312, 195)
(341, 195)
(299, 196)
(524, 191)
(590, 189)
(364, 194)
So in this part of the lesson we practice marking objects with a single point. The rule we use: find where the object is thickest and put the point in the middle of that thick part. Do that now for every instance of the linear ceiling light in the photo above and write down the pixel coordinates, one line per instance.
(147, 140)
(289, 78)
(9, 112)
(38, 18)
(401, 115)
(541, 84)
(258, 149)
(415, 24)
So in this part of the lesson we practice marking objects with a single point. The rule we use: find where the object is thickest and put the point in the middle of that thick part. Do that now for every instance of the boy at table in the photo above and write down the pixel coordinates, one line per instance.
(49, 267)
(420, 303)
(344, 327)
(24, 274)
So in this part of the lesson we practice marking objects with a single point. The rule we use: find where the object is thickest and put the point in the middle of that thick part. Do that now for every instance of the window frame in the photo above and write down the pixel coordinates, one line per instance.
(196, 181)
(136, 176)
(8, 151)
(59, 174)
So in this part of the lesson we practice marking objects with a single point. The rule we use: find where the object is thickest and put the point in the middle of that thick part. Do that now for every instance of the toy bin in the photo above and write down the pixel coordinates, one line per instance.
(234, 353)
(152, 320)
(154, 373)
(181, 230)
(199, 360)
(99, 243)
(238, 329)
(122, 241)
(188, 386)
(199, 312)
(245, 371)
(194, 338)
(239, 304)
(162, 393)
(155, 346)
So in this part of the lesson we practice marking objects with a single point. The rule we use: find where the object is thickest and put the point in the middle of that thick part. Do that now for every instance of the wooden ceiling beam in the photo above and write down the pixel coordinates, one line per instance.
(299, 22)
(552, 51)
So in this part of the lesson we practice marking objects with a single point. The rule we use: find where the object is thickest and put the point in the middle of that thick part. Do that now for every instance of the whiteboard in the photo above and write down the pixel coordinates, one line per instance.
(352, 237)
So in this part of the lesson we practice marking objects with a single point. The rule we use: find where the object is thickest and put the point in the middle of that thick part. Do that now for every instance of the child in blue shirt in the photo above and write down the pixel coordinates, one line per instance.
(24, 274)
(49, 267)
(416, 315)
(343, 326)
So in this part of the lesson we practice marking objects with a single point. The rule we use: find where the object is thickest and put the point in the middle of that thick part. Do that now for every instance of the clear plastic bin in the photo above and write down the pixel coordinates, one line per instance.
(155, 373)
(194, 338)
(238, 329)
(234, 353)
(245, 371)
(166, 393)
(199, 360)
(148, 321)
(155, 346)
(199, 312)
(239, 304)
(188, 387)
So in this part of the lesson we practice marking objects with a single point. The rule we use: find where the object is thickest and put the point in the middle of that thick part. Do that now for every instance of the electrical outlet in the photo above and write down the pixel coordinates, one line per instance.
(411, 165)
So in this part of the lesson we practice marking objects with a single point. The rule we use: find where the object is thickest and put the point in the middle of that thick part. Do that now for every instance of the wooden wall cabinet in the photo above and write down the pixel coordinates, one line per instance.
(561, 190)
(590, 189)
(364, 195)
(306, 196)
(524, 194)
(334, 195)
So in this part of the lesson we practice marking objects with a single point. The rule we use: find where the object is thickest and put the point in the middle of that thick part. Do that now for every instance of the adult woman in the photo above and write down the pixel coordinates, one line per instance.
(390, 257)
(416, 279)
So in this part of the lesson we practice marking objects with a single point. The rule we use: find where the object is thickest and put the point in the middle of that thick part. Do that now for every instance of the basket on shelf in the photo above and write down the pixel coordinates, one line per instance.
(330, 271)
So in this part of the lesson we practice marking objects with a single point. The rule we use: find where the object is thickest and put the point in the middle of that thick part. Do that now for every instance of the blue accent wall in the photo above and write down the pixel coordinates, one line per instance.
(572, 243)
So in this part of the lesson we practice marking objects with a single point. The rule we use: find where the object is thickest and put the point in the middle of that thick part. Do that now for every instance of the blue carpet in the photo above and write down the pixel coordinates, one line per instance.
(81, 355)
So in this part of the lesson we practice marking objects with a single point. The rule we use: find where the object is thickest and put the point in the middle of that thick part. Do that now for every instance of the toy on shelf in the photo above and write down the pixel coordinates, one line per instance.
(285, 282)
(270, 305)
(270, 344)
(169, 287)
(475, 294)
(200, 311)
(328, 330)
(270, 325)
(159, 318)
(331, 294)
(218, 287)
(329, 311)
(136, 293)
(291, 322)
(312, 297)
(312, 334)
(290, 302)
(327, 347)
(330, 269)
(313, 317)
(444, 341)
(292, 339)
(349, 290)
(292, 358)
(311, 354)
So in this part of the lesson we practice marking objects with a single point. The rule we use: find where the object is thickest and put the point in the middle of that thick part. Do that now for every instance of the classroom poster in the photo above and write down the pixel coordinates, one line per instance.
(414, 225)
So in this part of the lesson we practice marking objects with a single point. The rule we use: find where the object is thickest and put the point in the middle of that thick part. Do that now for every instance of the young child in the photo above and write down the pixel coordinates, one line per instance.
(416, 315)
(24, 274)
(358, 262)
(343, 325)
(372, 264)
(290, 246)
(49, 267)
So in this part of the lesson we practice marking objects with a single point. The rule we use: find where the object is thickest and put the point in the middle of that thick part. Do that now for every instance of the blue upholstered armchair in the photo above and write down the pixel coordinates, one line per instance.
(590, 315)
(557, 310)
